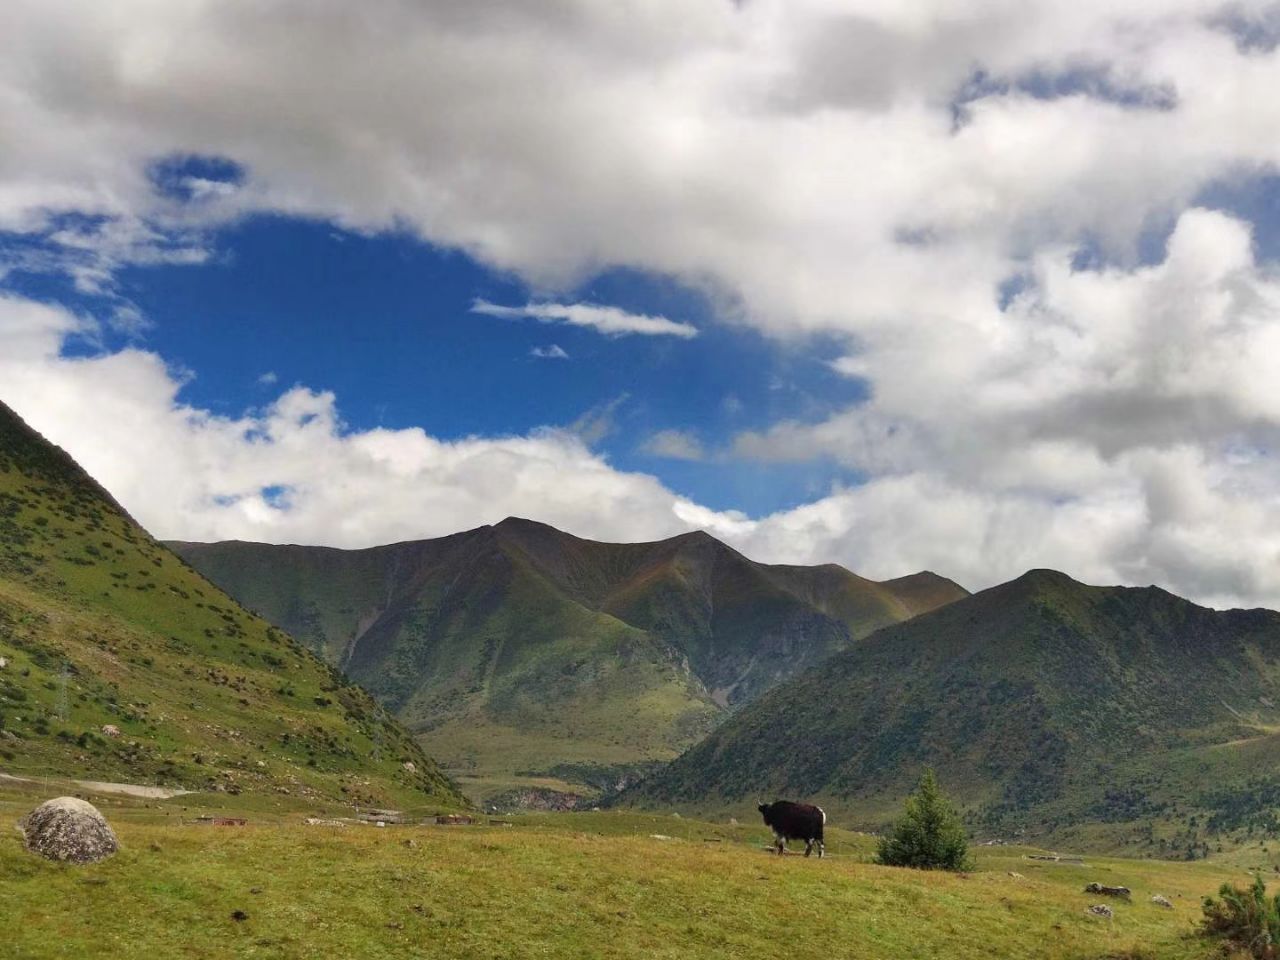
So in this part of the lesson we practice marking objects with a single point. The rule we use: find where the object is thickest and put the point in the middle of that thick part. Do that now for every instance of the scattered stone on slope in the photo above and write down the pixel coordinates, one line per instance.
(68, 828)
(1123, 892)
(1160, 900)
(1101, 910)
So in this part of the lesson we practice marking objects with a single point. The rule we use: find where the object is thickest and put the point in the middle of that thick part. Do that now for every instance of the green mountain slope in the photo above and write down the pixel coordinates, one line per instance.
(102, 629)
(1042, 703)
(519, 652)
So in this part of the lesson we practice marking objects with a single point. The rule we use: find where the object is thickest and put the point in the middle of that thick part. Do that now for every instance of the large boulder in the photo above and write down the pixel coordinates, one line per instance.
(68, 828)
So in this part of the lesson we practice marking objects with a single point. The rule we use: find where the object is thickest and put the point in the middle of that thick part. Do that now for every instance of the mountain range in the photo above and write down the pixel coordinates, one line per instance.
(523, 656)
(119, 663)
(532, 660)
(1045, 706)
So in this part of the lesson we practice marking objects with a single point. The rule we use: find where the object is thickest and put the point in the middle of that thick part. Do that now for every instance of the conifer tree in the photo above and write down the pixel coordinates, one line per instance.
(929, 836)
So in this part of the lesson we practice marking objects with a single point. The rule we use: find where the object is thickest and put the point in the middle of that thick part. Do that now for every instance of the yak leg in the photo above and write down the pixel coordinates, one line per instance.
(822, 849)
(781, 843)
(808, 847)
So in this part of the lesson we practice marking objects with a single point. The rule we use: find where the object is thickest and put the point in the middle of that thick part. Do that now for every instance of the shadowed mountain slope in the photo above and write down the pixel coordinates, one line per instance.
(522, 648)
(122, 663)
(1041, 703)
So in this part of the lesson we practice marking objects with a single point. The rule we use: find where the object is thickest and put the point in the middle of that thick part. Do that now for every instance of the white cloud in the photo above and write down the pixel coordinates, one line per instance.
(610, 321)
(674, 445)
(268, 379)
(186, 473)
(1120, 424)
(553, 352)
(812, 167)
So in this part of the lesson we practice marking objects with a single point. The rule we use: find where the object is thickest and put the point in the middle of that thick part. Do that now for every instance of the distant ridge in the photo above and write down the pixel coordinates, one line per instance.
(517, 648)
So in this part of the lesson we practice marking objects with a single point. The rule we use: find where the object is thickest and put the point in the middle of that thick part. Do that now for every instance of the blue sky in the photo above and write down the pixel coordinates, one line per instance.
(385, 322)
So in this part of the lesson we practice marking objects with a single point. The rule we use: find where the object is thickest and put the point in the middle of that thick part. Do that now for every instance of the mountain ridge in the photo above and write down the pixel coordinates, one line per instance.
(1044, 704)
(639, 647)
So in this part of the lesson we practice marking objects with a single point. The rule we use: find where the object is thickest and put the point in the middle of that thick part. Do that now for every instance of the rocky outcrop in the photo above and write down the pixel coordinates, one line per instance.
(537, 798)
(70, 829)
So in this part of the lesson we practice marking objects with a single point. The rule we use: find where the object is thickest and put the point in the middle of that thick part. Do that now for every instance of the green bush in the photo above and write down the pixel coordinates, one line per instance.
(1247, 919)
(929, 836)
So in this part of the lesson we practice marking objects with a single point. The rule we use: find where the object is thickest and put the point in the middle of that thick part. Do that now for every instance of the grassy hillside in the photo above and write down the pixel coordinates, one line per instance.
(103, 627)
(579, 885)
(523, 656)
(1104, 715)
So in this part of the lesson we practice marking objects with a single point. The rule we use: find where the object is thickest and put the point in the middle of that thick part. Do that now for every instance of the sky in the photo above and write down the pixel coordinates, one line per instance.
(972, 286)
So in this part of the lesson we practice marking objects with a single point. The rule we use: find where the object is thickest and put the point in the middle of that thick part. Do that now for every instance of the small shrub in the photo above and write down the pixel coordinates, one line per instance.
(1245, 918)
(929, 836)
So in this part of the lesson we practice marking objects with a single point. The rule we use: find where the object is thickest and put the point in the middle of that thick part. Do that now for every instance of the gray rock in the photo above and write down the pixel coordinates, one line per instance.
(1101, 910)
(1160, 900)
(70, 829)
(1102, 888)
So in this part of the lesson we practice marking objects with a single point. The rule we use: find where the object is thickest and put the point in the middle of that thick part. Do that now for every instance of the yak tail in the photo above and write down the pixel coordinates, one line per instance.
(824, 816)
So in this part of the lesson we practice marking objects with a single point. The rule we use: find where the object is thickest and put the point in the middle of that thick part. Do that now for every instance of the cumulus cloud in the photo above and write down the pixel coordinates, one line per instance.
(1119, 423)
(610, 321)
(911, 180)
(187, 473)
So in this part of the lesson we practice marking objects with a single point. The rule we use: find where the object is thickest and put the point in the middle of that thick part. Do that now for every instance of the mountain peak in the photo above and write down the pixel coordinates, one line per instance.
(1045, 576)
(514, 521)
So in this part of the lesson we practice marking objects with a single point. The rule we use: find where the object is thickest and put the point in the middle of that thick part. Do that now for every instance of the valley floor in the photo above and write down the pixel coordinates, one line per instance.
(557, 885)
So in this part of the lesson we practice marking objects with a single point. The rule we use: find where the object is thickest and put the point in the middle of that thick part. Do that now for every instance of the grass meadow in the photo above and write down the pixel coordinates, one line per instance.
(607, 884)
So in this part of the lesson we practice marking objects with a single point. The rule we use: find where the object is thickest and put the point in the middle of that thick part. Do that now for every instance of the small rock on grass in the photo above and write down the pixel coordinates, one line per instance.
(1160, 900)
(1101, 910)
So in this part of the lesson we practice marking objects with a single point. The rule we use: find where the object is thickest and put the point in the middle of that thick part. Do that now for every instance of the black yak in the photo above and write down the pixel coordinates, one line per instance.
(795, 821)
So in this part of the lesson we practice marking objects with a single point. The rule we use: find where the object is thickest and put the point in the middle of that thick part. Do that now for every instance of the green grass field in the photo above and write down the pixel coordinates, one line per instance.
(558, 885)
